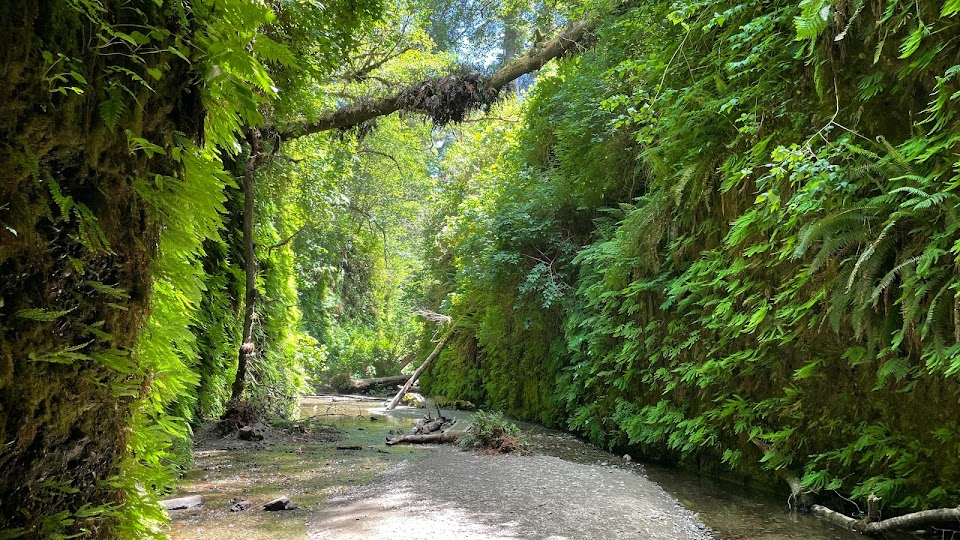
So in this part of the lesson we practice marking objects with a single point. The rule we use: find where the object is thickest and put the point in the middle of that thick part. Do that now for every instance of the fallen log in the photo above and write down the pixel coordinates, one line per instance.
(410, 357)
(429, 427)
(871, 524)
(182, 503)
(431, 438)
(916, 520)
(426, 363)
(365, 385)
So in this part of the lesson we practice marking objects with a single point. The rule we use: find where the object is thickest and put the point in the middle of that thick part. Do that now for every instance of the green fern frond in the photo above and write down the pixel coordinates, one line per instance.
(889, 277)
(113, 108)
(868, 254)
(828, 226)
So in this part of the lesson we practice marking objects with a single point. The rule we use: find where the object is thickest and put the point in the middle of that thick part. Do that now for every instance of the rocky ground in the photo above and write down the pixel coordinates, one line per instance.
(454, 494)
(345, 483)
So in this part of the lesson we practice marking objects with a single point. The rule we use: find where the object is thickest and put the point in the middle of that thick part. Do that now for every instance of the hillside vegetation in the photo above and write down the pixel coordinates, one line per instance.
(727, 235)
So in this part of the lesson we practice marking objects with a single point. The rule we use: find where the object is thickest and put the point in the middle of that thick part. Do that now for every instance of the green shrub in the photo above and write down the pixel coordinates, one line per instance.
(492, 433)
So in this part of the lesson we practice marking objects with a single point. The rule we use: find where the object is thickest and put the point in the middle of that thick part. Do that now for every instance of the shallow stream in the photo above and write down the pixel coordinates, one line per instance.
(732, 511)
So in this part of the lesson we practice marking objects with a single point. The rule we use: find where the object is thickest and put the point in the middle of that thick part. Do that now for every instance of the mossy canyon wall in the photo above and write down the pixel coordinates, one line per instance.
(728, 235)
(77, 244)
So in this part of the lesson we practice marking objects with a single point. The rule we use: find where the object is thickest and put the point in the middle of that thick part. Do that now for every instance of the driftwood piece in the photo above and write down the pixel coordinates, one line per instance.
(240, 505)
(871, 525)
(915, 520)
(182, 503)
(426, 363)
(365, 385)
(430, 438)
(430, 426)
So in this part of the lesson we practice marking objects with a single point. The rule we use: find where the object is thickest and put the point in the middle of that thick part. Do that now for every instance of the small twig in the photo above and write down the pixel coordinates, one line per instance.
(285, 241)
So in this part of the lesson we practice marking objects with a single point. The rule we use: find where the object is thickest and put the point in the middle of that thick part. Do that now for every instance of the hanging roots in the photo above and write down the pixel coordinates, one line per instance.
(450, 98)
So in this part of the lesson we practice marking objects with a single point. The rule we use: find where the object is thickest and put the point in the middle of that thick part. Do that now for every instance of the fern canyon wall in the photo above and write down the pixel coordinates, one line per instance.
(88, 152)
(722, 234)
(728, 236)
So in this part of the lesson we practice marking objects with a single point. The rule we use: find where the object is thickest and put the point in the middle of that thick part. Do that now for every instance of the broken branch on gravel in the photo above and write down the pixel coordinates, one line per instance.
(430, 438)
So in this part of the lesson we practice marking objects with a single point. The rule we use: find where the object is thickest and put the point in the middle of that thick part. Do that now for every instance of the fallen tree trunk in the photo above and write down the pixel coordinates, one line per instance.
(915, 520)
(870, 525)
(429, 427)
(182, 503)
(365, 385)
(406, 360)
(430, 438)
(426, 363)
(573, 38)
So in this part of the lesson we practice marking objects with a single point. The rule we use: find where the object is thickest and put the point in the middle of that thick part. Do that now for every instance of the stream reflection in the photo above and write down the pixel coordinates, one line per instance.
(732, 511)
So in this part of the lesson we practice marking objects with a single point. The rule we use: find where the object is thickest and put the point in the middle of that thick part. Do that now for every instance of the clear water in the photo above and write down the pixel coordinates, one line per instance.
(732, 511)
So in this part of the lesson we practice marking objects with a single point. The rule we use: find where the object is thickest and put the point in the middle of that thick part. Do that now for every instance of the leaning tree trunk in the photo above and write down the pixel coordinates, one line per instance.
(426, 363)
(76, 246)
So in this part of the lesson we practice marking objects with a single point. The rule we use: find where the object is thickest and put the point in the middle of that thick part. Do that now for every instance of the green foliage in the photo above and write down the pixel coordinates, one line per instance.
(492, 432)
(191, 204)
(712, 240)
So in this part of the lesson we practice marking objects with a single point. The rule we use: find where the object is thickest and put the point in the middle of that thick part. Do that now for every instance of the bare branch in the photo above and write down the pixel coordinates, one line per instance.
(382, 154)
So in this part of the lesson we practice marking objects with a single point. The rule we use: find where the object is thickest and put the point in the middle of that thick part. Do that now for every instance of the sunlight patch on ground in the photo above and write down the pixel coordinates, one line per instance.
(402, 515)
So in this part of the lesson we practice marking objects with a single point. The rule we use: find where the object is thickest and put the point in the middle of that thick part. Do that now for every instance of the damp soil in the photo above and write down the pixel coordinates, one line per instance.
(307, 461)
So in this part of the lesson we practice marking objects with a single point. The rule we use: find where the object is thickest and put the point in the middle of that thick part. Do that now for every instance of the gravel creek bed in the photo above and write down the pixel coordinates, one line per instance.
(455, 494)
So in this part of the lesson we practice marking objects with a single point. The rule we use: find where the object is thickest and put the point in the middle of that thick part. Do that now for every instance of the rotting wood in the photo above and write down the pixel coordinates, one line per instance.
(426, 363)
(365, 385)
(430, 438)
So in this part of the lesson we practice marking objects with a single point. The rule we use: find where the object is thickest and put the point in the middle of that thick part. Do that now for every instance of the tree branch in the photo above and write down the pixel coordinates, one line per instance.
(572, 39)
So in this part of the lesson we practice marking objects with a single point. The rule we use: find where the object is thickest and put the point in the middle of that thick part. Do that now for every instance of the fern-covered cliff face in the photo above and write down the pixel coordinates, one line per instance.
(120, 285)
(728, 235)
(76, 243)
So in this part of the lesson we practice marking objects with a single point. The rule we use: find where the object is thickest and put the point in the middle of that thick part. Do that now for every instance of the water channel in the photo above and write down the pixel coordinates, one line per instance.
(731, 510)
